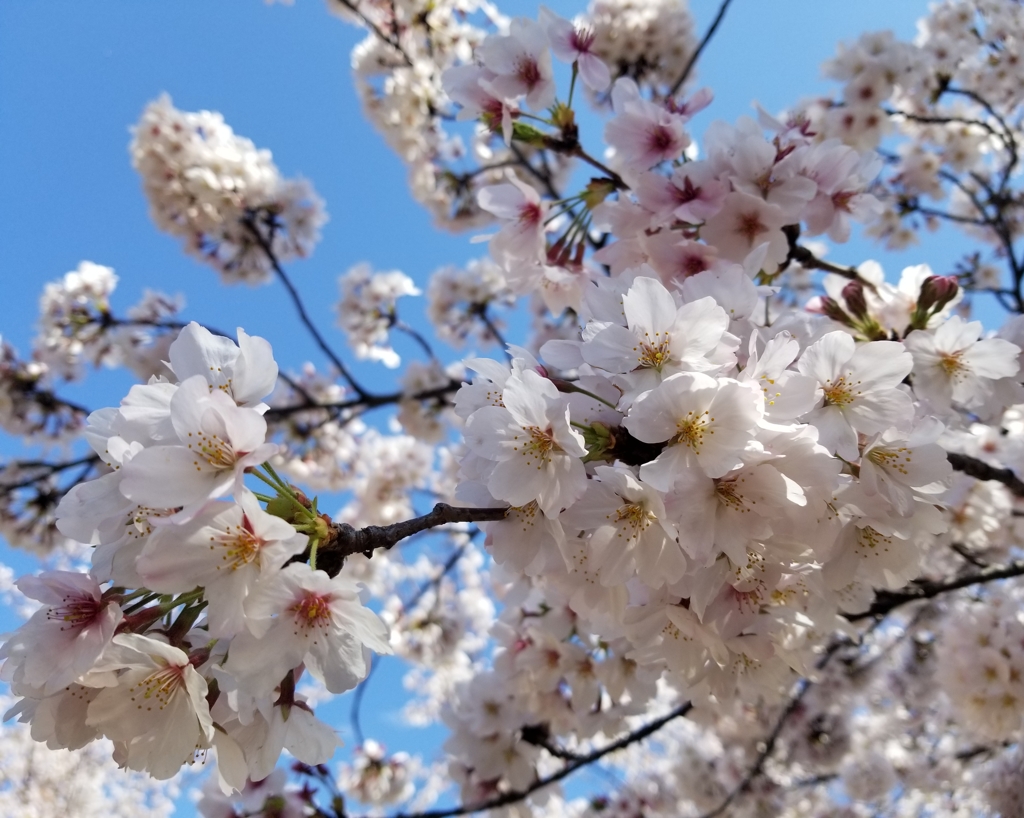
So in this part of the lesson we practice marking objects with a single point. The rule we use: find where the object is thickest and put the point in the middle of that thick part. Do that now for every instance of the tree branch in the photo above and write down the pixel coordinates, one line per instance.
(301, 309)
(886, 601)
(345, 540)
(515, 796)
(973, 467)
(700, 48)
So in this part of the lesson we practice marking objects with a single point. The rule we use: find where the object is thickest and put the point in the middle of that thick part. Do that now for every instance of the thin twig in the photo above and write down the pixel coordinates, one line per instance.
(582, 761)
(357, 703)
(301, 309)
(703, 44)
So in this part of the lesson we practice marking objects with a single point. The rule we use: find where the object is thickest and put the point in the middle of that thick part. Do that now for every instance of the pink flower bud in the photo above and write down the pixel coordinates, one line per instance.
(936, 293)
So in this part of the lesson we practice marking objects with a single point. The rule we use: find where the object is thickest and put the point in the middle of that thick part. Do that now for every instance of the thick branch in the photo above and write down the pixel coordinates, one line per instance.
(973, 467)
(344, 540)
(887, 601)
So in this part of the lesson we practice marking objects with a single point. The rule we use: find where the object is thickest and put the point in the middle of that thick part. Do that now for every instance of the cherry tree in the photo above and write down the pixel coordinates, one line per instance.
(730, 522)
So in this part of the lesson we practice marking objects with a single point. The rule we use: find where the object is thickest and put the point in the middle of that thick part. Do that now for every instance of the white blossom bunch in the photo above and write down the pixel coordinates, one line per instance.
(732, 520)
(219, 193)
(191, 627)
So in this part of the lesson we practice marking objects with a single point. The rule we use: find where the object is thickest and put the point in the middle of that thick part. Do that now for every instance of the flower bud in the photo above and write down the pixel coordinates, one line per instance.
(936, 293)
(826, 305)
(853, 295)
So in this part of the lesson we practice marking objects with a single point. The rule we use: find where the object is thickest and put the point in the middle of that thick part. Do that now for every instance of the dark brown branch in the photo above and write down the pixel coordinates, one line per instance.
(700, 48)
(366, 402)
(887, 601)
(43, 470)
(973, 467)
(805, 258)
(301, 309)
(345, 540)
(581, 761)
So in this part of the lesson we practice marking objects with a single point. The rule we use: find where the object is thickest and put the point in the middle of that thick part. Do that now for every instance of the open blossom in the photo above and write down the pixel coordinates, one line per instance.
(246, 371)
(953, 364)
(536, 453)
(858, 389)
(706, 423)
(157, 708)
(219, 440)
(659, 339)
(521, 206)
(643, 133)
(301, 616)
(574, 43)
(521, 63)
(226, 549)
(64, 638)
(743, 223)
(631, 532)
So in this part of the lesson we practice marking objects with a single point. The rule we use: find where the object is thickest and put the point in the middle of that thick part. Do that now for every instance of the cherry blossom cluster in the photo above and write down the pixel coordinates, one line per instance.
(221, 195)
(650, 42)
(196, 619)
(711, 484)
(954, 94)
(38, 781)
(77, 326)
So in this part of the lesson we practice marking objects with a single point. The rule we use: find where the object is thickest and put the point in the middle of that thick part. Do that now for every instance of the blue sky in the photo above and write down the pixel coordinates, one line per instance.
(74, 76)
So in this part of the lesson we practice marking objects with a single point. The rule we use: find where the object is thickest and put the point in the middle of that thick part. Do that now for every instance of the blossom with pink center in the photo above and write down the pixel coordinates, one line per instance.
(573, 44)
(63, 639)
(643, 133)
(691, 194)
(521, 63)
(301, 616)
(522, 238)
(743, 223)
(469, 85)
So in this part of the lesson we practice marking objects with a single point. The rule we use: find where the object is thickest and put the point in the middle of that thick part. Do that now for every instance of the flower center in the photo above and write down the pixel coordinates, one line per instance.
(160, 686)
(750, 226)
(891, 459)
(312, 611)
(653, 354)
(635, 517)
(691, 430)
(839, 392)
(217, 451)
(538, 448)
(661, 139)
(730, 494)
(528, 72)
(74, 612)
(951, 364)
(242, 547)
